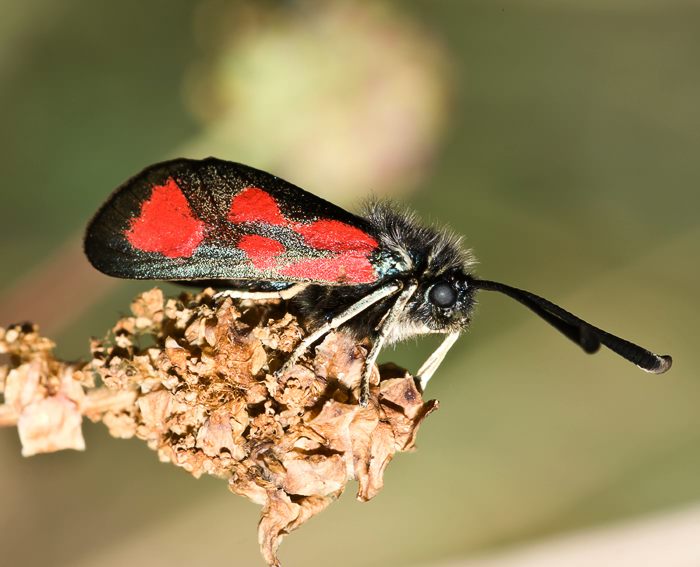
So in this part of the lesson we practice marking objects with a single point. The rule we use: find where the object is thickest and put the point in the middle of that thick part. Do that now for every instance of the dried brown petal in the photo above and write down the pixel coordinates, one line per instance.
(50, 425)
(281, 516)
(313, 475)
(221, 433)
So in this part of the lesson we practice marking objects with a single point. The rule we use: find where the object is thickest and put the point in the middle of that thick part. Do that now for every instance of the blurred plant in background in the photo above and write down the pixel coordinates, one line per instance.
(338, 96)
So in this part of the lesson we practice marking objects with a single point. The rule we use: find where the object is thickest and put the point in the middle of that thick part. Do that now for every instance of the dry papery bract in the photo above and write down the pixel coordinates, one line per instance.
(194, 377)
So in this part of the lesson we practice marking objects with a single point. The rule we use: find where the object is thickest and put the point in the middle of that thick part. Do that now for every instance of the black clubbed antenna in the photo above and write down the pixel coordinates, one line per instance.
(588, 337)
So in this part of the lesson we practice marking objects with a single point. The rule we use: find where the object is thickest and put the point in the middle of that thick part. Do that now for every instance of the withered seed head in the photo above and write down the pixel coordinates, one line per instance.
(194, 378)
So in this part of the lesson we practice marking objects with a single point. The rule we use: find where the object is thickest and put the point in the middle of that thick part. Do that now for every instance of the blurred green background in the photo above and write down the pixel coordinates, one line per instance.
(561, 138)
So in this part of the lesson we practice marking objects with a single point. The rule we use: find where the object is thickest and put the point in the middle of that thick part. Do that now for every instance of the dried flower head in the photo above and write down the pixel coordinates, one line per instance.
(195, 378)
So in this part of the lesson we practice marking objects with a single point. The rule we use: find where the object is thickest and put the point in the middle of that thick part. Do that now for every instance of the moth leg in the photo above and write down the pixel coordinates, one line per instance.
(245, 294)
(434, 360)
(338, 320)
(385, 327)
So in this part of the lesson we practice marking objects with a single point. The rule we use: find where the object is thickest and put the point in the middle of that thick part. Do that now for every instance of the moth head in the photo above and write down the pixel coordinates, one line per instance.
(447, 301)
(442, 304)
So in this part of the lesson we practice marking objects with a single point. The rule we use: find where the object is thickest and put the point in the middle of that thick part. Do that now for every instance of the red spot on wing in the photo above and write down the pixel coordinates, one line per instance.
(352, 245)
(261, 250)
(253, 204)
(336, 236)
(166, 224)
(344, 268)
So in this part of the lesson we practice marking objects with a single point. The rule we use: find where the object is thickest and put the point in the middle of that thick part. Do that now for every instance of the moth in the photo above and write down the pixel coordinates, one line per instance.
(381, 275)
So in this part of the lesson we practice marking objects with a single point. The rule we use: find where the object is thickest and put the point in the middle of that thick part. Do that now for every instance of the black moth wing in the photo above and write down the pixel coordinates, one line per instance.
(216, 220)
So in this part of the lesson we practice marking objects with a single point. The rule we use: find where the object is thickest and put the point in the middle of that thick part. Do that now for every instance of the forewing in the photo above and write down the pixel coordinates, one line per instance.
(217, 220)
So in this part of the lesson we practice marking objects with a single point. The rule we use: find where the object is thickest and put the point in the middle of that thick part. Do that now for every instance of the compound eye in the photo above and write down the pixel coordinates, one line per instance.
(443, 295)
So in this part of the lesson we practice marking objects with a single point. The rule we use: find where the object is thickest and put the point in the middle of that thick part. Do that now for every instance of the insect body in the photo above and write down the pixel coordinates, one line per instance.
(382, 275)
